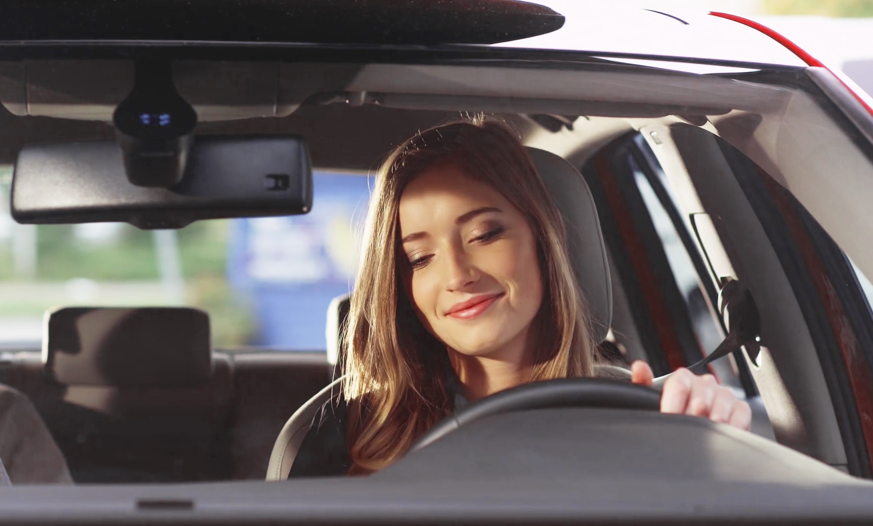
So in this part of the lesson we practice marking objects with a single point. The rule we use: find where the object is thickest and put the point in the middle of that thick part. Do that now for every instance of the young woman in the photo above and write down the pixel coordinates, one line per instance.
(465, 289)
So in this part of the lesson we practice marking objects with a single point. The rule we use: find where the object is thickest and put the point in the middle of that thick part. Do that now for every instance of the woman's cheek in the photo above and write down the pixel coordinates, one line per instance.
(520, 266)
(500, 260)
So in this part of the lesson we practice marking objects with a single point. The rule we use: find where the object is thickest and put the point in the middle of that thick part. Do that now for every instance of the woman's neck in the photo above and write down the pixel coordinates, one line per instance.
(481, 376)
(508, 367)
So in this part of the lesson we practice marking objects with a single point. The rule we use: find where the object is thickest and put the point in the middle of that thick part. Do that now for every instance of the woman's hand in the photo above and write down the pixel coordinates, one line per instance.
(685, 393)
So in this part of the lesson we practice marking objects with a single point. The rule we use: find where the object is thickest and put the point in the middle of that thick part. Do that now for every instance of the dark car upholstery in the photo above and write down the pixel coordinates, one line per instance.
(129, 407)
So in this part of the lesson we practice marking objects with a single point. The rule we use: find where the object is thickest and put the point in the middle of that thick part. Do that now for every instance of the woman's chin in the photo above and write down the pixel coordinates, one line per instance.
(488, 339)
(476, 352)
(479, 348)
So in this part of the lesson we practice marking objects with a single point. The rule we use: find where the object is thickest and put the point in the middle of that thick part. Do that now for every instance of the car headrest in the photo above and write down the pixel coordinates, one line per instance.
(128, 347)
(585, 245)
(587, 252)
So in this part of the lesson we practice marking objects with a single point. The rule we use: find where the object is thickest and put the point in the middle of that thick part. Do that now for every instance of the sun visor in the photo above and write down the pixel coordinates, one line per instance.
(222, 91)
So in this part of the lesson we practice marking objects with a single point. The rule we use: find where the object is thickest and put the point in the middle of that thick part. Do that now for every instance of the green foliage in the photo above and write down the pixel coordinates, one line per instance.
(834, 8)
(61, 256)
(203, 248)
(129, 258)
(231, 321)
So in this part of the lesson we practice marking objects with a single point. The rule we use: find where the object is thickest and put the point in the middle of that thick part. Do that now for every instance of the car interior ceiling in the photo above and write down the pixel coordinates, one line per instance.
(242, 407)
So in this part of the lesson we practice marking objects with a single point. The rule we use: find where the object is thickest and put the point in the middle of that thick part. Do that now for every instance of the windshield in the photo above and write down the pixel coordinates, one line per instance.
(669, 186)
(265, 282)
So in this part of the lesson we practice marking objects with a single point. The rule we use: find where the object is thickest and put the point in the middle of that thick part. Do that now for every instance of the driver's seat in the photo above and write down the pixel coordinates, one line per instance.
(587, 253)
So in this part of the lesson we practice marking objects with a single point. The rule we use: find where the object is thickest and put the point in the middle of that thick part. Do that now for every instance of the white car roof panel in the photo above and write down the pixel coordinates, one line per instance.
(699, 35)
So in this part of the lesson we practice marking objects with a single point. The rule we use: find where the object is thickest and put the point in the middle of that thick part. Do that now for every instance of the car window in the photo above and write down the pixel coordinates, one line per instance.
(657, 194)
(265, 282)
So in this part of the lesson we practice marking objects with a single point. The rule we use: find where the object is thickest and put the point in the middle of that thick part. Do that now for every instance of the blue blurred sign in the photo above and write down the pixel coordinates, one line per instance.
(290, 268)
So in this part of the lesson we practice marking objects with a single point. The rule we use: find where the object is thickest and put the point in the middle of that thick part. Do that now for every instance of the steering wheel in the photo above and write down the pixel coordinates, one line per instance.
(570, 392)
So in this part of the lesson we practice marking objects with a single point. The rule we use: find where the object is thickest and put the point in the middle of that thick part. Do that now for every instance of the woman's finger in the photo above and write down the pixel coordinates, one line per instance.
(676, 392)
(641, 373)
(723, 406)
(702, 395)
(741, 416)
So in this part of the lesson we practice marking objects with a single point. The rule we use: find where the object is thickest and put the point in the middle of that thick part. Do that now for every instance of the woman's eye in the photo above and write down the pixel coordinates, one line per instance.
(491, 234)
(418, 262)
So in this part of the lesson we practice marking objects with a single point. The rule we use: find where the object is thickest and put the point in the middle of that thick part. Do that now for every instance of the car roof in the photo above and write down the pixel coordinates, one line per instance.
(684, 35)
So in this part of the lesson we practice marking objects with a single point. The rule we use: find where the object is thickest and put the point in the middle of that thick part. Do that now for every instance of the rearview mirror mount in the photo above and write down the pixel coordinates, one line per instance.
(154, 127)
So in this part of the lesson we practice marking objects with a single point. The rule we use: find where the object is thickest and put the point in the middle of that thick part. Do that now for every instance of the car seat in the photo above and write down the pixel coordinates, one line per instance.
(143, 397)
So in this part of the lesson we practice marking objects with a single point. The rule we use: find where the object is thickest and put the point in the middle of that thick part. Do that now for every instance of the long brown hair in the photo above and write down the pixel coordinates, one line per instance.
(394, 384)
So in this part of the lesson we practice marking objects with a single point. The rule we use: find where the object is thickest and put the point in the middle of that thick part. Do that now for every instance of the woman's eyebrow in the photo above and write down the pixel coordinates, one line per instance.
(473, 213)
(459, 221)
(413, 237)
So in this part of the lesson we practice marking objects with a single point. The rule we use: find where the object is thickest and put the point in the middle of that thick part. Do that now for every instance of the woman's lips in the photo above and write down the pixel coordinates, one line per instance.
(473, 307)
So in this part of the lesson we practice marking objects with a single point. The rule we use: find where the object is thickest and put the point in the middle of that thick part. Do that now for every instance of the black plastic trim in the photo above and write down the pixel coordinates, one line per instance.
(324, 21)
(668, 15)
(304, 51)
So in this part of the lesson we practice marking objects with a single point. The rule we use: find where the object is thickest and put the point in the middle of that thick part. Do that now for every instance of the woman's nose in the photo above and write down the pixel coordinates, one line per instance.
(459, 272)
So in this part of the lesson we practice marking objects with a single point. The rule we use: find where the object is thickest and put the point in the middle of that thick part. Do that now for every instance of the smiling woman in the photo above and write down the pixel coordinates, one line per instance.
(474, 272)
(465, 289)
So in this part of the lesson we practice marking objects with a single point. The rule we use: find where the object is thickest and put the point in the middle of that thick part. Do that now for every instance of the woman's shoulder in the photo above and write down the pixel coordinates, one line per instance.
(324, 451)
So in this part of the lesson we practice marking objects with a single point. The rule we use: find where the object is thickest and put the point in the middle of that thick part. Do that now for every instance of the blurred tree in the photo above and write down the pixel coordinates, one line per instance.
(835, 8)
(231, 319)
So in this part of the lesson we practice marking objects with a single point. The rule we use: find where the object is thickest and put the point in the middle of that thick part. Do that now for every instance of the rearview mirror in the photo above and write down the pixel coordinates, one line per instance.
(225, 177)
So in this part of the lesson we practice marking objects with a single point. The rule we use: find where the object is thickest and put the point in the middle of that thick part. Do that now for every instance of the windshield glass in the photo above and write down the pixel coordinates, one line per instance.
(265, 282)
(648, 147)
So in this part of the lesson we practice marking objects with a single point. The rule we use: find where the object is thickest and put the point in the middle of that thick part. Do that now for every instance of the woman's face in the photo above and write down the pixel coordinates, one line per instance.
(473, 274)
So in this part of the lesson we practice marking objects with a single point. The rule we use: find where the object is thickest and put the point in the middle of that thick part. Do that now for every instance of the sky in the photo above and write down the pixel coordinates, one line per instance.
(833, 38)
(841, 43)
(737, 7)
